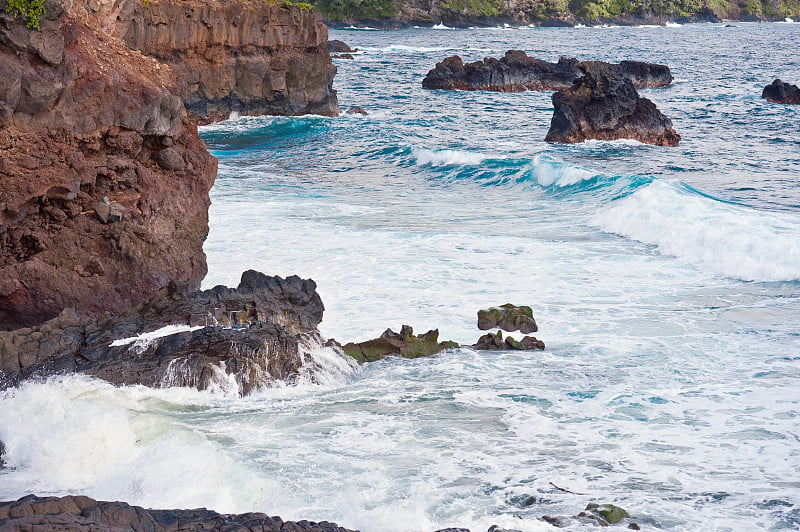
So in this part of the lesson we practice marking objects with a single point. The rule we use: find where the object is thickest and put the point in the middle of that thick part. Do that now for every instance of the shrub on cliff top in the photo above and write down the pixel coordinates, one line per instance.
(31, 10)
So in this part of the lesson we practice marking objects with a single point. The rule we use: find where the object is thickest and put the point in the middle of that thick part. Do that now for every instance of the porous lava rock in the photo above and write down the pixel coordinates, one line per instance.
(83, 513)
(257, 333)
(602, 105)
(403, 344)
(516, 72)
(781, 92)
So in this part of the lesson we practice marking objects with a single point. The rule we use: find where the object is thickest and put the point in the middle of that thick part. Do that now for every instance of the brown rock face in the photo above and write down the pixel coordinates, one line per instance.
(103, 180)
(249, 57)
(103, 184)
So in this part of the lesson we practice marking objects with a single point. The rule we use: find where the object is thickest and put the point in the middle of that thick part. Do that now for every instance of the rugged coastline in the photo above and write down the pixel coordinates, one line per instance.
(386, 14)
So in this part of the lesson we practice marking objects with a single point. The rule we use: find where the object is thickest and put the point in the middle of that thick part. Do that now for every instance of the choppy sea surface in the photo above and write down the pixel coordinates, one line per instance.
(665, 282)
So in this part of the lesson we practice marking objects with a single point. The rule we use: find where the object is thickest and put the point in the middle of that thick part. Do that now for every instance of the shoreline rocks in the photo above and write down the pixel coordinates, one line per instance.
(75, 512)
(604, 106)
(516, 72)
(256, 332)
(403, 344)
(781, 92)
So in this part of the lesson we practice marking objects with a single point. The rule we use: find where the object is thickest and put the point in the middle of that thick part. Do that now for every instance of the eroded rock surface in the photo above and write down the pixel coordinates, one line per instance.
(509, 318)
(781, 92)
(83, 513)
(258, 332)
(602, 105)
(516, 72)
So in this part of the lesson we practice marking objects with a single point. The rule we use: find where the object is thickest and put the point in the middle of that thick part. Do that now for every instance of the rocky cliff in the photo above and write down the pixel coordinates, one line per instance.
(250, 57)
(103, 180)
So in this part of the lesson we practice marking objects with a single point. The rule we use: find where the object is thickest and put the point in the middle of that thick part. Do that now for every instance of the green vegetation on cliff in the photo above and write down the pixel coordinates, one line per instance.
(31, 10)
(525, 11)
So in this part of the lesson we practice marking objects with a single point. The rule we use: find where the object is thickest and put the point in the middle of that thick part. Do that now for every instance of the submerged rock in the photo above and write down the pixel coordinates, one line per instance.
(509, 318)
(2, 454)
(254, 334)
(604, 106)
(355, 110)
(403, 344)
(516, 72)
(598, 515)
(781, 92)
(83, 513)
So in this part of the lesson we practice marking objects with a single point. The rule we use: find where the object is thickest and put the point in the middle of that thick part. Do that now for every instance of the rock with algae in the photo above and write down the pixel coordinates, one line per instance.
(403, 344)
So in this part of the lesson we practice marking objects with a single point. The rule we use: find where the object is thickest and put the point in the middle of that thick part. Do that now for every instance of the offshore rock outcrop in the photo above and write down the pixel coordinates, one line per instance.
(104, 192)
(253, 335)
(83, 513)
(605, 106)
(252, 58)
(781, 92)
(516, 72)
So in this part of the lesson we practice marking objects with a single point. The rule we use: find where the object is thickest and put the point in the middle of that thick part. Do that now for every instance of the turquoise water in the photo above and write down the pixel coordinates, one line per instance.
(665, 281)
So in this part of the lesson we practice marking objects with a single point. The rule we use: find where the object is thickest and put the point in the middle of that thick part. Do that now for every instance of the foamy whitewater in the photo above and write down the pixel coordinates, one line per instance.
(665, 282)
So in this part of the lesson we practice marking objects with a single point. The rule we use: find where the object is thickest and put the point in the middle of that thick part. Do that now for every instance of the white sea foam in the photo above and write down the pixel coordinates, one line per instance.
(549, 171)
(142, 341)
(720, 238)
(441, 26)
(425, 156)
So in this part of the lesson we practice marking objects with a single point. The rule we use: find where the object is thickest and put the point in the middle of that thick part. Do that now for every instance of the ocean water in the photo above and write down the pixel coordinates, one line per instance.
(665, 282)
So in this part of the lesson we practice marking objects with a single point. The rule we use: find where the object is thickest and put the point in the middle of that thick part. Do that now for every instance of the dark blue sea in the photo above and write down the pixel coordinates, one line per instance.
(665, 282)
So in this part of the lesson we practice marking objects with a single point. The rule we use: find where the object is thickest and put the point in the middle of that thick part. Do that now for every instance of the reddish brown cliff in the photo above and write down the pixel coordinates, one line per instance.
(103, 180)
(105, 185)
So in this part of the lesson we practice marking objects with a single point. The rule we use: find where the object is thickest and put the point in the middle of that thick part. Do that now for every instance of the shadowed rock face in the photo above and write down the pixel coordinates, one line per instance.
(254, 58)
(604, 106)
(83, 513)
(255, 332)
(516, 72)
(781, 92)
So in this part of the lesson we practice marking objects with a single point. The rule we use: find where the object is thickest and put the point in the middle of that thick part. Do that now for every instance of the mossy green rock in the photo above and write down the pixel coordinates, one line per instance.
(403, 344)
(509, 318)
(606, 514)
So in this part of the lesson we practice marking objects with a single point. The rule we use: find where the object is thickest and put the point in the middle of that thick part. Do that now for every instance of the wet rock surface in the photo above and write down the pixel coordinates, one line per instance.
(781, 92)
(516, 72)
(403, 344)
(84, 513)
(255, 333)
(602, 105)
(602, 515)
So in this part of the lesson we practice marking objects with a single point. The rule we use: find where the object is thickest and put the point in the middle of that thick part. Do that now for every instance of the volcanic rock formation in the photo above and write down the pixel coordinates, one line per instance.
(252, 58)
(605, 106)
(104, 192)
(103, 180)
(83, 513)
(257, 333)
(781, 92)
(516, 72)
